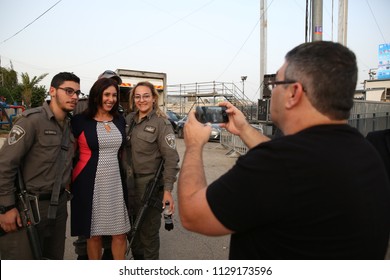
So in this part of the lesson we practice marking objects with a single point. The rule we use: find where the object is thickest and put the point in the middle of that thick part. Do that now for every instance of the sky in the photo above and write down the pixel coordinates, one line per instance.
(190, 40)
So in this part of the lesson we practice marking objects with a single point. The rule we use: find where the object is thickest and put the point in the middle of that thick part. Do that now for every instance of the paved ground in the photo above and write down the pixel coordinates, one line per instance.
(180, 244)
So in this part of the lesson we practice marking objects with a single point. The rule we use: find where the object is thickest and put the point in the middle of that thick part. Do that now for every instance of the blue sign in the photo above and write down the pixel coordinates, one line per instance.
(384, 62)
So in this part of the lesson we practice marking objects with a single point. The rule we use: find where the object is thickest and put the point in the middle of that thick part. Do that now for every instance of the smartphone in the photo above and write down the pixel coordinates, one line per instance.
(211, 114)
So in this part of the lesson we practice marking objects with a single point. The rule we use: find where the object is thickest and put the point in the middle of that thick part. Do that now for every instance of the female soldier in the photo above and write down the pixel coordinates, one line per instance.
(150, 138)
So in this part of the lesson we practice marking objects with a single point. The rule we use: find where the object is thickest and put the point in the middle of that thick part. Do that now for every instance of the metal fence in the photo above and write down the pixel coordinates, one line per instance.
(366, 116)
(233, 143)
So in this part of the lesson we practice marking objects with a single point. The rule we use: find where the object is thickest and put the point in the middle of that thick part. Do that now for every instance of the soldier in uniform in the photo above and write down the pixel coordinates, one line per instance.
(150, 138)
(38, 143)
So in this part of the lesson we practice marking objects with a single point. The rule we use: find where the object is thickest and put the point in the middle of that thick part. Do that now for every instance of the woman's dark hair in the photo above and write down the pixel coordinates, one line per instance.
(95, 98)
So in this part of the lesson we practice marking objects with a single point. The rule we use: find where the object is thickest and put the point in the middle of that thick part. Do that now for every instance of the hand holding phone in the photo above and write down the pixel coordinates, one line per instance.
(211, 114)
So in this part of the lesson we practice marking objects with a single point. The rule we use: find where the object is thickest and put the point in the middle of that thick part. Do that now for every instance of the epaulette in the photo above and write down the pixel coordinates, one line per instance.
(166, 121)
(129, 116)
(32, 111)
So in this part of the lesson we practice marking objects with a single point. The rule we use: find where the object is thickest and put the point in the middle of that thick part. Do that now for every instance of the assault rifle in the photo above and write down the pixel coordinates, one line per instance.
(149, 199)
(30, 216)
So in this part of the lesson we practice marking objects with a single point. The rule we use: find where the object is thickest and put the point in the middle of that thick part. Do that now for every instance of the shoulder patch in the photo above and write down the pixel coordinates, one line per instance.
(171, 140)
(16, 133)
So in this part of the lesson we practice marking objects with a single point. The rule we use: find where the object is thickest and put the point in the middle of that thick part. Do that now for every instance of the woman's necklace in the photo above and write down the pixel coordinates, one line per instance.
(105, 119)
(107, 126)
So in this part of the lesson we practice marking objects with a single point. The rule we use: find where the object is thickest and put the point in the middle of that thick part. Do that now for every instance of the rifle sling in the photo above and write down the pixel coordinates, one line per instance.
(60, 163)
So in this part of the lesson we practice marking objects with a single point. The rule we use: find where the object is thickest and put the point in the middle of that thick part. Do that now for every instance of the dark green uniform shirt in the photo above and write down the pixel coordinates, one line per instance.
(150, 140)
(34, 144)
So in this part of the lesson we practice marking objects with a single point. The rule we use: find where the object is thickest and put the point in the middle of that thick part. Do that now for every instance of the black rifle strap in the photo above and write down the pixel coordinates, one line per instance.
(60, 163)
(131, 126)
(127, 151)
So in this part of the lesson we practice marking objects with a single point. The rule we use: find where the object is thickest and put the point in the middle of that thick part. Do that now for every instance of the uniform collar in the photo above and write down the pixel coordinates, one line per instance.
(50, 114)
(148, 116)
(46, 108)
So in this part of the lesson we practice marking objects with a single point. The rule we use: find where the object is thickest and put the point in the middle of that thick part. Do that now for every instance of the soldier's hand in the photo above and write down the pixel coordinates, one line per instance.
(10, 221)
(168, 197)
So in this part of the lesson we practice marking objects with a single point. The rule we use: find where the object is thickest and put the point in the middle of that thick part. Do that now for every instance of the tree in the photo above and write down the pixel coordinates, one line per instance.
(8, 77)
(8, 83)
(28, 86)
(38, 96)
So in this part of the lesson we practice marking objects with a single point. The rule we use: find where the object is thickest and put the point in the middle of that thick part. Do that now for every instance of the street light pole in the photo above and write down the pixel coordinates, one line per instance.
(243, 78)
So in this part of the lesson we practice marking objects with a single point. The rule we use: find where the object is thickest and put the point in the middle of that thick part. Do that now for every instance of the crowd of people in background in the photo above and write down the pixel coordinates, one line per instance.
(324, 191)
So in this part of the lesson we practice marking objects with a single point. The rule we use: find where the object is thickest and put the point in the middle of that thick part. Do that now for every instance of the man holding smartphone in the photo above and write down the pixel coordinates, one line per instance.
(318, 192)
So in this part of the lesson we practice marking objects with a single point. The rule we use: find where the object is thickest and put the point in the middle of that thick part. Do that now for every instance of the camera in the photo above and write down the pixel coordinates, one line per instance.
(211, 114)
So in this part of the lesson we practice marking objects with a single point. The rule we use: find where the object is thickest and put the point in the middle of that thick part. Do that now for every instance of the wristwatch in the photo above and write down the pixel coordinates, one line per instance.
(4, 209)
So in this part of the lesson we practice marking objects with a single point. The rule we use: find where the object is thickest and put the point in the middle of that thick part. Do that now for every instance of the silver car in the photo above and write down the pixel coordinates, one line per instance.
(214, 135)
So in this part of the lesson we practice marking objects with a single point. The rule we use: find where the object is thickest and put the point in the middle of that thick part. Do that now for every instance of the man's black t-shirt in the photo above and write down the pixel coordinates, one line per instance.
(319, 194)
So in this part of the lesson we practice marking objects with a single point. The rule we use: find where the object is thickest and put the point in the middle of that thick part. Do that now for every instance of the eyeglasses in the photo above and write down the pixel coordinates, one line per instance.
(144, 97)
(70, 91)
(273, 84)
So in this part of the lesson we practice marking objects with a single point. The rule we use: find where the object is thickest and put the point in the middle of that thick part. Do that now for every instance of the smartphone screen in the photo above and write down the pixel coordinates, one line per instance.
(211, 114)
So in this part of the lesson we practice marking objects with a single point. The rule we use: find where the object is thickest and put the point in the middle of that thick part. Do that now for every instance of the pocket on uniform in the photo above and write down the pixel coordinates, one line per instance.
(52, 145)
(147, 137)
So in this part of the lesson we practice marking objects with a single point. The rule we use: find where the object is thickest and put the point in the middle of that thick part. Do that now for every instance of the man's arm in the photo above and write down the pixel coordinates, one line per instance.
(195, 212)
(19, 141)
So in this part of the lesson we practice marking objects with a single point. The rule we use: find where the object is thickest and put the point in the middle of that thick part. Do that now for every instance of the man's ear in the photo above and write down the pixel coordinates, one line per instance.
(294, 95)
(52, 92)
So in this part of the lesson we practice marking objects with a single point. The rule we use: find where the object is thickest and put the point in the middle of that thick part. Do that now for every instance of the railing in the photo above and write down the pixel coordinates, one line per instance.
(366, 116)
(234, 143)
(194, 94)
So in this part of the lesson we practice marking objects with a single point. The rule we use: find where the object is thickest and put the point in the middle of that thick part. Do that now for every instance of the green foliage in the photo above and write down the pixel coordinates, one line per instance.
(28, 86)
(9, 77)
(12, 95)
(28, 90)
(38, 96)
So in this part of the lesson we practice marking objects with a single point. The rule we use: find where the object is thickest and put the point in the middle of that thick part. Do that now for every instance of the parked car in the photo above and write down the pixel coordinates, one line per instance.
(180, 126)
(214, 135)
(173, 118)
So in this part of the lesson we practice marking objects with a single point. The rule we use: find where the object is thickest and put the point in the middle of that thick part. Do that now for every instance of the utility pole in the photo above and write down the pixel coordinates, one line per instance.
(243, 78)
(342, 23)
(317, 20)
(263, 42)
(1, 75)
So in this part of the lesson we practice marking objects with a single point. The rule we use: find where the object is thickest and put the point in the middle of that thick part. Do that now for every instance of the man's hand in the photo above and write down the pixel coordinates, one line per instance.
(10, 221)
(196, 134)
(237, 121)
